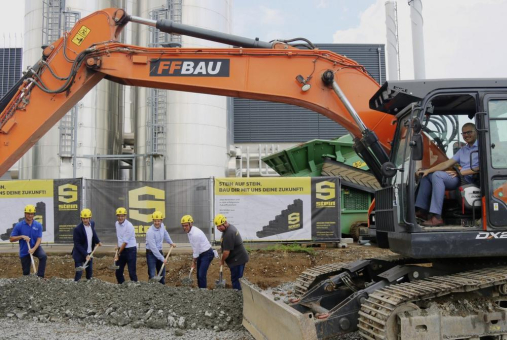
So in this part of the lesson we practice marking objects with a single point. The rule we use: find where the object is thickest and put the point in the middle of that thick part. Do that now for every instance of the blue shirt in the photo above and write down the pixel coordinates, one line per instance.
(34, 232)
(463, 158)
(126, 234)
(154, 239)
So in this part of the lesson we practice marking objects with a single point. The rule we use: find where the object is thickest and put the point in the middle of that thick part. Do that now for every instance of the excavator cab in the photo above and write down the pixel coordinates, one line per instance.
(430, 115)
(438, 269)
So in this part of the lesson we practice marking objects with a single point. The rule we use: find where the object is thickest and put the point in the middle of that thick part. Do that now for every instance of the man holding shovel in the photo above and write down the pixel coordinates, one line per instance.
(29, 234)
(233, 250)
(85, 240)
(202, 253)
(155, 236)
(127, 246)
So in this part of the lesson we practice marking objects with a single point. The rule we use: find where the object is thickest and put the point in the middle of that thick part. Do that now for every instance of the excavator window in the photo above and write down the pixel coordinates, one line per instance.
(498, 125)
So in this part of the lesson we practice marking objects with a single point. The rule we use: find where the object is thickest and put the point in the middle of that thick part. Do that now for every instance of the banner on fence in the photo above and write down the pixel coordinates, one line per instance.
(276, 209)
(141, 198)
(57, 205)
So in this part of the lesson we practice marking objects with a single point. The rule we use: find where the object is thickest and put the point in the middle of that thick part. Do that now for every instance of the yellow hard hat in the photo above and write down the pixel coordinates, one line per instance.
(219, 219)
(86, 213)
(187, 219)
(157, 215)
(121, 211)
(30, 209)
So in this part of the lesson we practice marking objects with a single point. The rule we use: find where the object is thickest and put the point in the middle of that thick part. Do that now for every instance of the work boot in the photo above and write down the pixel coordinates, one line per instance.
(423, 215)
(433, 222)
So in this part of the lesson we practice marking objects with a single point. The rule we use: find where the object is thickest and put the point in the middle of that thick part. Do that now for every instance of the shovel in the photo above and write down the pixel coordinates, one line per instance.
(84, 266)
(188, 280)
(220, 283)
(159, 276)
(31, 258)
(114, 266)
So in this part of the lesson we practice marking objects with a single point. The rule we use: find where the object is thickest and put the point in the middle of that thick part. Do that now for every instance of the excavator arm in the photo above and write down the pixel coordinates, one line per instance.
(75, 63)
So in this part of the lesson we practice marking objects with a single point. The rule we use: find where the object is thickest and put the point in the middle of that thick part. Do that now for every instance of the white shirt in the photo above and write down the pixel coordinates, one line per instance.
(89, 236)
(198, 241)
(126, 234)
(154, 239)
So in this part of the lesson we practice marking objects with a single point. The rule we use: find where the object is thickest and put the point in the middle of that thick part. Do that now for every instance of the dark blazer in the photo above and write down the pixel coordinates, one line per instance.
(79, 251)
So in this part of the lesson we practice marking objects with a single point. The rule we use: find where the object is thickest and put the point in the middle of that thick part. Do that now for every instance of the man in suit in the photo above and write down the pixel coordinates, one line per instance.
(85, 238)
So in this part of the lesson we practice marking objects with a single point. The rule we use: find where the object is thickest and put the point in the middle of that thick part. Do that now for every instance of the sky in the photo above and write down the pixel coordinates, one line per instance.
(462, 38)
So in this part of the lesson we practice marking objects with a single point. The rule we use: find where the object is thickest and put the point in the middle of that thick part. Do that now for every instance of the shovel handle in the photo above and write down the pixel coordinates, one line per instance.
(91, 255)
(93, 251)
(163, 264)
(190, 274)
(31, 257)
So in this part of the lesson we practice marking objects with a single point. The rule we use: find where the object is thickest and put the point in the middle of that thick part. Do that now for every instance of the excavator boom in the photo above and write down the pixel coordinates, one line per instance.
(75, 63)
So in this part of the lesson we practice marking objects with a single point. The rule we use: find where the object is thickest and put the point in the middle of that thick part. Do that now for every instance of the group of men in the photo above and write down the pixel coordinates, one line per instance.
(429, 201)
(28, 233)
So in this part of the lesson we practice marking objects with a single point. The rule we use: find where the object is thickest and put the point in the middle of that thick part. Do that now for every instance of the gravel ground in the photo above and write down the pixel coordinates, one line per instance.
(95, 308)
(63, 309)
(71, 330)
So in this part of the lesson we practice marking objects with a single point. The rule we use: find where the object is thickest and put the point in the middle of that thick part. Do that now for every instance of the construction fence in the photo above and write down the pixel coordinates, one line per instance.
(263, 209)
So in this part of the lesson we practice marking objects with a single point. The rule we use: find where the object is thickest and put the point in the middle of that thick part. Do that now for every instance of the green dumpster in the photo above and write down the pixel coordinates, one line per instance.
(331, 157)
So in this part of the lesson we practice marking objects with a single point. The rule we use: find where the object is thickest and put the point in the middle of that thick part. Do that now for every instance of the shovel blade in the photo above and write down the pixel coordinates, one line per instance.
(114, 267)
(187, 281)
(80, 269)
(156, 279)
(220, 284)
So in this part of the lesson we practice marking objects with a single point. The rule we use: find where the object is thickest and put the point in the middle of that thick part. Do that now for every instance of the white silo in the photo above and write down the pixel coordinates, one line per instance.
(185, 132)
(96, 119)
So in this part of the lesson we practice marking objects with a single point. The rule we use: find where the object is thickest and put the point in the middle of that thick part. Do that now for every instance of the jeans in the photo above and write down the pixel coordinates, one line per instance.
(154, 265)
(203, 262)
(26, 262)
(432, 189)
(236, 274)
(89, 270)
(127, 257)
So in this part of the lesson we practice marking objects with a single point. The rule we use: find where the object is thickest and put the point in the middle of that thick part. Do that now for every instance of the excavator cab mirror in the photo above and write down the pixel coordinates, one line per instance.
(416, 142)
(416, 125)
(417, 147)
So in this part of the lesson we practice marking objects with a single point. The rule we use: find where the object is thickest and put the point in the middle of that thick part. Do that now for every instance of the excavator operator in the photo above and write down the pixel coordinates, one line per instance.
(436, 180)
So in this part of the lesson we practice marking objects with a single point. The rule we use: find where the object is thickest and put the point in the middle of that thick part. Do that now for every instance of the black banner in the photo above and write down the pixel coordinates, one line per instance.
(326, 209)
(67, 207)
(173, 198)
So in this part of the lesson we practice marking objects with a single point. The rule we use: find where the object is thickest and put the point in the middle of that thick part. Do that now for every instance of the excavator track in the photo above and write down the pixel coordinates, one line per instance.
(309, 277)
(378, 314)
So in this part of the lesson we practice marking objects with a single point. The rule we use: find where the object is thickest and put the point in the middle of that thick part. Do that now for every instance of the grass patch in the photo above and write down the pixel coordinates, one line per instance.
(290, 248)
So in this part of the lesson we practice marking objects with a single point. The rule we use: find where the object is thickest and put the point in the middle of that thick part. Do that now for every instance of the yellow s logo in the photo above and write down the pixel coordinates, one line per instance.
(137, 203)
(325, 190)
(67, 193)
(294, 218)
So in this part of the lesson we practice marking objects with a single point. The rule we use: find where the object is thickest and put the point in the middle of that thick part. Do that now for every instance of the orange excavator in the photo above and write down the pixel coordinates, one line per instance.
(447, 282)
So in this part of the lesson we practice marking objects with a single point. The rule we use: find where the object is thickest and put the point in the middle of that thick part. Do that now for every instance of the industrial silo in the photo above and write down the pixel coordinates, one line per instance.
(183, 135)
(94, 126)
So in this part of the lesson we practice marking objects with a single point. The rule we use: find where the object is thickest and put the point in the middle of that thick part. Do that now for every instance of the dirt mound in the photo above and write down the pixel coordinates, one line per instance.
(265, 269)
